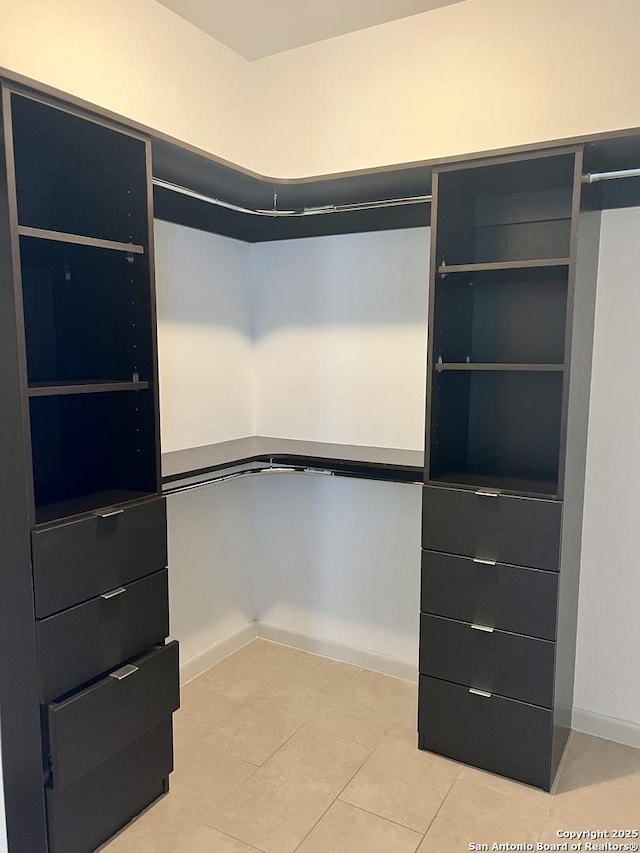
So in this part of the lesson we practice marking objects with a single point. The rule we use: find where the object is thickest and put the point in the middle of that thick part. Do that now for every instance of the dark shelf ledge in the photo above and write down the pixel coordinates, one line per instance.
(522, 482)
(51, 513)
(537, 263)
(498, 366)
(382, 463)
(79, 240)
(57, 389)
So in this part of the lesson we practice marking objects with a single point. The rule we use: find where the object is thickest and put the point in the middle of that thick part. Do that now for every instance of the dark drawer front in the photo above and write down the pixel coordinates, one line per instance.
(80, 560)
(91, 726)
(509, 664)
(89, 811)
(500, 735)
(500, 596)
(85, 641)
(520, 531)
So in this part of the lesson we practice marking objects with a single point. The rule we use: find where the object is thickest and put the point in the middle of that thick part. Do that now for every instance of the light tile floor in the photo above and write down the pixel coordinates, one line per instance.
(278, 751)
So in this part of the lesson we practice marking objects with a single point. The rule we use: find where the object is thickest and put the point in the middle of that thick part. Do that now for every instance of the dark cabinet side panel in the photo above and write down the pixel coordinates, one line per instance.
(24, 803)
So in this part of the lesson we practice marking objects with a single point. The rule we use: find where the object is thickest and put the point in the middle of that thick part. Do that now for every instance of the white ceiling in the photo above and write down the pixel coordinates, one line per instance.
(258, 28)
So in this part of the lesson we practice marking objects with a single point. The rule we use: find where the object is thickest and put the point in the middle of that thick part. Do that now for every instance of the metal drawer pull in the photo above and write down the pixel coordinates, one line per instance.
(109, 513)
(486, 628)
(487, 493)
(113, 593)
(123, 672)
(484, 562)
(477, 692)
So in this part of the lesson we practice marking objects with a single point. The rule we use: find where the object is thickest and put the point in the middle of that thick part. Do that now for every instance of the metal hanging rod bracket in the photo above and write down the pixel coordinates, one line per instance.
(595, 177)
(307, 211)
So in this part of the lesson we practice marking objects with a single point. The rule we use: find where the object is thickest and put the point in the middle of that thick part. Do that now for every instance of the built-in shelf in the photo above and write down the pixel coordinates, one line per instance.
(79, 240)
(530, 368)
(536, 263)
(384, 463)
(55, 389)
(48, 513)
(514, 481)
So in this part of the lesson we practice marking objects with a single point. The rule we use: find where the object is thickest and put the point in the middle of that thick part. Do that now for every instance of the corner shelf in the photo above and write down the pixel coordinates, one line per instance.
(79, 240)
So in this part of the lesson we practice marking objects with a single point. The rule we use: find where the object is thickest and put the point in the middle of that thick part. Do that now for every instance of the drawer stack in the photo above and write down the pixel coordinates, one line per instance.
(108, 683)
(488, 628)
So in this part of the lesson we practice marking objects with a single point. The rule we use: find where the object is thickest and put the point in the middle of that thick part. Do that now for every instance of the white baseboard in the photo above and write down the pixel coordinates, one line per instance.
(203, 661)
(589, 722)
(610, 728)
(365, 658)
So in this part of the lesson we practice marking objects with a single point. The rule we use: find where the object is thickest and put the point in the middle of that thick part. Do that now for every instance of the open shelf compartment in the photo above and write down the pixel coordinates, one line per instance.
(91, 450)
(516, 318)
(87, 314)
(497, 430)
(78, 176)
(507, 212)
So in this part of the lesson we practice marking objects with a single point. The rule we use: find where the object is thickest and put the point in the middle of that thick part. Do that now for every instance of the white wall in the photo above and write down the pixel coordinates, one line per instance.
(204, 337)
(473, 76)
(206, 395)
(211, 560)
(607, 680)
(336, 559)
(137, 59)
(340, 337)
(478, 75)
(340, 342)
(339, 559)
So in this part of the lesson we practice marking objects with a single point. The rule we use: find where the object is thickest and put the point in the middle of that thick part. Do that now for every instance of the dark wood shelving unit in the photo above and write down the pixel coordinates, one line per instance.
(510, 331)
(54, 389)
(77, 226)
(79, 240)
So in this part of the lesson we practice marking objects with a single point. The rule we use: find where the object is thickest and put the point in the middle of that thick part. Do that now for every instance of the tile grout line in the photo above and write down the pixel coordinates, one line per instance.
(241, 702)
(239, 840)
(419, 832)
(502, 794)
(432, 821)
(244, 702)
(251, 775)
(335, 799)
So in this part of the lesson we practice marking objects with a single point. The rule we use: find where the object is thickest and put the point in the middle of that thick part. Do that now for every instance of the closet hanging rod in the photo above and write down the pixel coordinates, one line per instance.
(306, 211)
(594, 177)
(223, 478)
